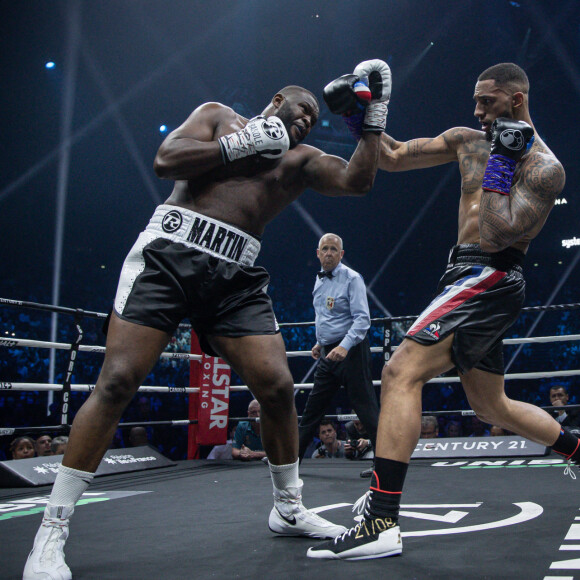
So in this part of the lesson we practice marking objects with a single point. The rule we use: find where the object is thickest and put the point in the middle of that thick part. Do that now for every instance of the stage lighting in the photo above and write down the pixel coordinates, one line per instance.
(163, 129)
(50, 64)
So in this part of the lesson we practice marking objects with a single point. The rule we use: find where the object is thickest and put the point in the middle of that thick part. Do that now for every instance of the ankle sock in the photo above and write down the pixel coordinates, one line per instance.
(387, 486)
(69, 486)
(567, 445)
(284, 476)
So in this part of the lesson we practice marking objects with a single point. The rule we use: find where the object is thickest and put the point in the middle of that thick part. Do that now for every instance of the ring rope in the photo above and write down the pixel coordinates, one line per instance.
(79, 313)
(408, 318)
(6, 431)
(6, 386)
(11, 342)
(506, 341)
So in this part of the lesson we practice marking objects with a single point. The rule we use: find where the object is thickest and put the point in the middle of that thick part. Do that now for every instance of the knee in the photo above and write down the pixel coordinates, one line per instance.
(396, 376)
(388, 375)
(277, 396)
(116, 387)
(490, 412)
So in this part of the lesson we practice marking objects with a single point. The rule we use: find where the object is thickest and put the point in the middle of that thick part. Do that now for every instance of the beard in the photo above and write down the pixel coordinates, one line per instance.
(285, 115)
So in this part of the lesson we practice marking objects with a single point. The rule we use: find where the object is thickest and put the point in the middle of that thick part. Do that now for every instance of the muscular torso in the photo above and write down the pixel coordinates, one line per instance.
(472, 155)
(248, 193)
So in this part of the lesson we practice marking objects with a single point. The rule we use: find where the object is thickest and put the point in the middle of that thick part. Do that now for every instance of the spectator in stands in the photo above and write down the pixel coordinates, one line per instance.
(58, 445)
(138, 437)
(22, 448)
(224, 451)
(480, 429)
(330, 445)
(43, 446)
(453, 429)
(559, 398)
(429, 427)
(247, 444)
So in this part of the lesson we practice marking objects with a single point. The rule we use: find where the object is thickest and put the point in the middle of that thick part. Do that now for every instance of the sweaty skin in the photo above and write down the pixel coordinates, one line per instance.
(250, 192)
(247, 193)
(492, 220)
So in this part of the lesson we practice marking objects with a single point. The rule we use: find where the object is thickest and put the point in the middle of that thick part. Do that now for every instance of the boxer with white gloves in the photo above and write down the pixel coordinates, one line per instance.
(195, 260)
(265, 137)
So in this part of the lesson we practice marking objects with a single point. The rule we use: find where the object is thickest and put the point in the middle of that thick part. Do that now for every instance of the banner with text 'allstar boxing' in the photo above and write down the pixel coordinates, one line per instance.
(213, 379)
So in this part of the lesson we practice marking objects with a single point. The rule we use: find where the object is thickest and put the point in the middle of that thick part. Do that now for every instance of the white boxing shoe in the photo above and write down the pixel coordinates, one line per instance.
(46, 560)
(289, 517)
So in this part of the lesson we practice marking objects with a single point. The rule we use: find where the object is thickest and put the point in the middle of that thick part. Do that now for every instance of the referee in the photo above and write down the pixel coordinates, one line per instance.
(342, 346)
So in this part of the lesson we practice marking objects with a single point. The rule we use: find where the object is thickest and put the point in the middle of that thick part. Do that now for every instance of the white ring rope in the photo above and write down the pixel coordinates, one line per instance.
(5, 386)
(12, 342)
(507, 341)
(148, 389)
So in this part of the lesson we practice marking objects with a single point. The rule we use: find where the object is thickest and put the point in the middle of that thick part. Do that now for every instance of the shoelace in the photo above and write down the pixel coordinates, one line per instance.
(50, 550)
(362, 503)
(346, 534)
(568, 470)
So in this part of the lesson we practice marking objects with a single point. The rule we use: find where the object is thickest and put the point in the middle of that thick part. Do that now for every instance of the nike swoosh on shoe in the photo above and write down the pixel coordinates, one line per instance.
(291, 521)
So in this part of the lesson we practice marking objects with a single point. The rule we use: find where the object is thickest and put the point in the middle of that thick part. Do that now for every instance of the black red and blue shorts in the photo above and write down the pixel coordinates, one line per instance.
(478, 298)
(187, 265)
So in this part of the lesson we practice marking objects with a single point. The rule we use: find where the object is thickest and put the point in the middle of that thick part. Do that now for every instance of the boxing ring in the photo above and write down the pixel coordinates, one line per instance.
(512, 516)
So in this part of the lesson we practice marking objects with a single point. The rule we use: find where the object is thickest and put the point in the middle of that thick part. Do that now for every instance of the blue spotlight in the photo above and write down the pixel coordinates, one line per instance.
(163, 129)
(50, 64)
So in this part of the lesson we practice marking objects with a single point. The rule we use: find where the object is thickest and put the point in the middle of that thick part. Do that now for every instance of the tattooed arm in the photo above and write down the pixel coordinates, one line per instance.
(505, 220)
(422, 153)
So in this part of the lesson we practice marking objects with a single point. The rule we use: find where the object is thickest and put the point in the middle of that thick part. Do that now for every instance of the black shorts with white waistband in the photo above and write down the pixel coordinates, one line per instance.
(479, 297)
(167, 278)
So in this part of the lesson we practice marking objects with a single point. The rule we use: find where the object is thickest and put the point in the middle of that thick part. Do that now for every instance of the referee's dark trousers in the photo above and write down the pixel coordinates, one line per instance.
(354, 372)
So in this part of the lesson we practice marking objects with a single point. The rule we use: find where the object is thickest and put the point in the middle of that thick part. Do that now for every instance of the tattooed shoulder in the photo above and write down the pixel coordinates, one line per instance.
(543, 175)
(463, 136)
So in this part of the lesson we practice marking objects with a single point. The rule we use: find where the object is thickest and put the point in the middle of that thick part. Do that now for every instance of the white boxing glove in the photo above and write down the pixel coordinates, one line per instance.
(378, 75)
(261, 136)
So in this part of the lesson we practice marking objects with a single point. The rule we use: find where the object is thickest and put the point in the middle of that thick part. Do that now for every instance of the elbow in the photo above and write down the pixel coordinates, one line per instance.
(161, 168)
(363, 186)
(368, 186)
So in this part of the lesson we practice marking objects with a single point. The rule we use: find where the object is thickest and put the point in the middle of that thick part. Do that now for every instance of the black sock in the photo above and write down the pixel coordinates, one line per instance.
(567, 445)
(387, 486)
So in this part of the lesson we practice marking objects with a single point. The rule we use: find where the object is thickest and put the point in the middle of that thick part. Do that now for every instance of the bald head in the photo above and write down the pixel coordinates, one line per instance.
(330, 251)
(295, 90)
(330, 238)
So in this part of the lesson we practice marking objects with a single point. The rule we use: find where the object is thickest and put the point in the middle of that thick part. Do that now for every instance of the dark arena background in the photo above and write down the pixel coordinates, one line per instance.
(91, 89)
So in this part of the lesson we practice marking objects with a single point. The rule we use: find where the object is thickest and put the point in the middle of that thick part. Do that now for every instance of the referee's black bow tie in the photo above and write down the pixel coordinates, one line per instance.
(323, 273)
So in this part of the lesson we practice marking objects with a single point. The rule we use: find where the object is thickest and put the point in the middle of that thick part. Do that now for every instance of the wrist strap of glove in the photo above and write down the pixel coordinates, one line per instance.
(236, 145)
(499, 173)
(376, 117)
(354, 123)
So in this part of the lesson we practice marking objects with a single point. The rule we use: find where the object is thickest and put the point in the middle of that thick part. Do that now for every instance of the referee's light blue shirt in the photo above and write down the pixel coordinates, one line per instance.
(341, 308)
